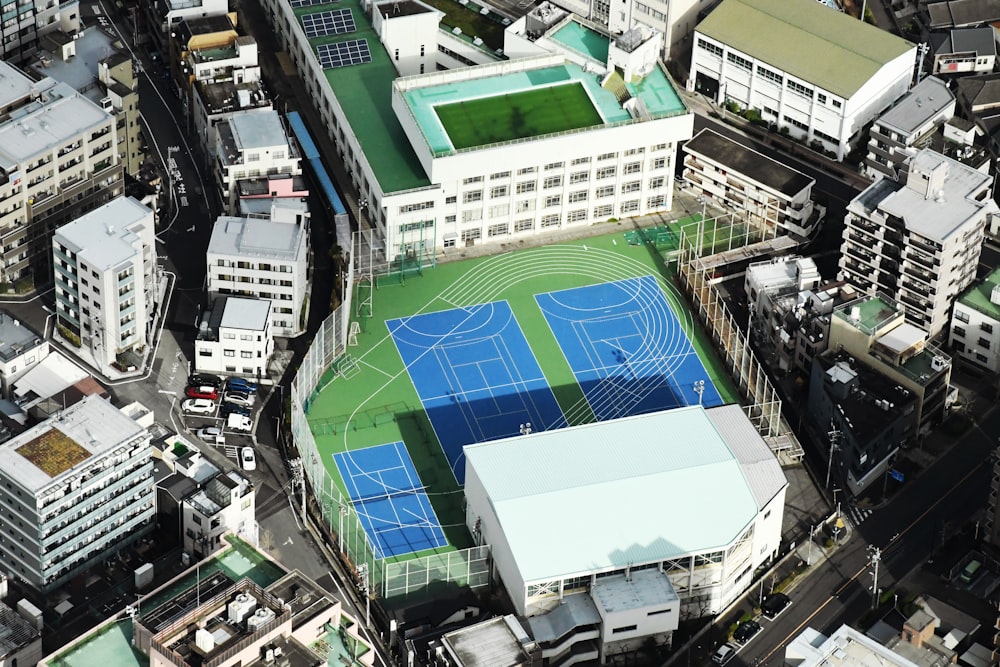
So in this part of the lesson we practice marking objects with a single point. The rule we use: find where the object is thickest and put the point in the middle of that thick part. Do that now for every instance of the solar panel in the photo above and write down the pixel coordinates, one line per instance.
(342, 54)
(308, 3)
(321, 24)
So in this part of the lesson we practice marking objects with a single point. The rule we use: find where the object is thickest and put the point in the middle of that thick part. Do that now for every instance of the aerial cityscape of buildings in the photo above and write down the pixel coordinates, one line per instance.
(487, 333)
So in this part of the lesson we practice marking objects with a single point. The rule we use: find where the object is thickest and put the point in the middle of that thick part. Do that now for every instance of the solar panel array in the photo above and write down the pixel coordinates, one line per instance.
(308, 3)
(342, 54)
(335, 22)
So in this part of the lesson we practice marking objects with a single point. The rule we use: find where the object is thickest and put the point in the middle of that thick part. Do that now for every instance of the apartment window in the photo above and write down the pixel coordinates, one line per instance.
(526, 170)
(656, 182)
(837, 104)
(471, 234)
(739, 61)
(981, 357)
(472, 196)
(579, 177)
(798, 88)
(607, 156)
(655, 201)
(631, 186)
(229, 336)
(450, 200)
(821, 98)
(605, 172)
(552, 182)
(554, 165)
(580, 160)
(229, 353)
(959, 331)
(498, 191)
(630, 206)
(632, 168)
(553, 200)
(416, 207)
(449, 243)
(714, 49)
(657, 148)
(526, 186)
(961, 316)
(551, 220)
(984, 343)
(577, 197)
(577, 215)
(472, 179)
(472, 216)
(246, 355)
(499, 175)
(986, 327)
(501, 229)
(658, 163)
(606, 191)
(603, 211)
(499, 211)
(524, 225)
(769, 75)
(449, 218)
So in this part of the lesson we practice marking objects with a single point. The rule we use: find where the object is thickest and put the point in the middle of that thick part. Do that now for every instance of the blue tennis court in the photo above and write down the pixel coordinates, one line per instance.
(626, 348)
(476, 376)
(392, 505)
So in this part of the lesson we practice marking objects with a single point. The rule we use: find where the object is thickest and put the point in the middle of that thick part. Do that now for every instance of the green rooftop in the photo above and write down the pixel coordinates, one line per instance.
(110, 644)
(874, 313)
(806, 39)
(579, 38)
(978, 296)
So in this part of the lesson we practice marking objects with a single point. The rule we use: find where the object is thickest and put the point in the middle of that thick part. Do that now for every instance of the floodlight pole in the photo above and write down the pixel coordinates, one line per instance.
(525, 428)
(699, 388)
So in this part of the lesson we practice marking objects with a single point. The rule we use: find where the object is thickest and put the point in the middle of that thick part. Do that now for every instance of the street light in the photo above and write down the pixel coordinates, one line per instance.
(525, 428)
(699, 388)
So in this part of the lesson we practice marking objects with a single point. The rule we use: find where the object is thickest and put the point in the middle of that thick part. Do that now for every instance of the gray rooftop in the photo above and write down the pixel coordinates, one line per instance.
(105, 237)
(91, 427)
(748, 163)
(16, 336)
(14, 84)
(80, 72)
(573, 611)
(256, 237)
(978, 40)
(242, 313)
(15, 631)
(42, 126)
(493, 643)
(640, 590)
(257, 130)
(924, 101)
(959, 13)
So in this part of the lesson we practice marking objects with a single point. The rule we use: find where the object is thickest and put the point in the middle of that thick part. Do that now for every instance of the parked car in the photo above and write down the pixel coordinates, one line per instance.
(746, 631)
(248, 459)
(239, 398)
(233, 409)
(774, 604)
(205, 380)
(724, 654)
(239, 384)
(239, 423)
(202, 392)
(213, 435)
(201, 406)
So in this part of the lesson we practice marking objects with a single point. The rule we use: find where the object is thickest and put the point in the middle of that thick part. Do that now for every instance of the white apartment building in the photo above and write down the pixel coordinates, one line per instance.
(975, 324)
(223, 503)
(216, 102)
(58, 158)
(105, 280)
(250, 145)
(234, 337)
(77, 488)
(918, 239)
(625, 586)
(21, 348)
(964, 50)
(423, 194)
(776, 58)
(768, 282)
(765, 193)
(27, 22)
(896, 133)
(237, 63)
(265, 258)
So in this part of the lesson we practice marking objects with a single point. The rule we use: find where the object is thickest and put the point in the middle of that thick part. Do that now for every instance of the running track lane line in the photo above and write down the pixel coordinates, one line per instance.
(864, 568)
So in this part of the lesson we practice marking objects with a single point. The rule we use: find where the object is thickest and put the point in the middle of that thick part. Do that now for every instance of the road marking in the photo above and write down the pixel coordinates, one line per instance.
(168, 393)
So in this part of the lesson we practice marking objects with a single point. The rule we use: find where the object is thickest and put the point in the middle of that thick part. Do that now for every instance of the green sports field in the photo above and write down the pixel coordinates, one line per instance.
(368, 398)
(489, 120)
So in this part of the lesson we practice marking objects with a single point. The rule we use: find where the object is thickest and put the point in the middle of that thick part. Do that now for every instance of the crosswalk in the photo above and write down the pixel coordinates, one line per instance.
(858, 514)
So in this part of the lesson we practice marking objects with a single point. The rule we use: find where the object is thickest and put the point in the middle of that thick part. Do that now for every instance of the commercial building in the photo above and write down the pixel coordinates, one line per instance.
(875, 331)
(974, 334)
(78, 488)
(611, 590)
(234, 337)
(21, 348)
(215, 102)
(249, 145)
(917, 239)
(266, 258)
(821, 76)
(27, 22)
(105, 282)
(58, 159)
(895, 135)
(767, 194)
(427, 186)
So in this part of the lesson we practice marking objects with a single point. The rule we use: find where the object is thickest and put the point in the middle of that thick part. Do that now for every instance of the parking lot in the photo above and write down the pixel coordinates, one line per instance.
(222, 412)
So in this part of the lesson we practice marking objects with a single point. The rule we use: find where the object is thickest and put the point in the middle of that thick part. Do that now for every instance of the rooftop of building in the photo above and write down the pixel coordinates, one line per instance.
(192, 26)
(846, 647)
(748, 163)
(51, 449)
(261, 129)
(15, 631)
(258, 238)
(603, 486)
(498, 641)
(831, 50)
(402, 8)
(924, 101)
(957, 13)
(873, 399)
(92, 46)
(14, 84)
(969, 40)
(236, 312)
(979, 296)
(639, 589)
(226, 96)
(979, 90)
(43, 125)
(934, 215)
(16, 337)
(521, 102)
(106, 237)
(256, 187)
(870, 315)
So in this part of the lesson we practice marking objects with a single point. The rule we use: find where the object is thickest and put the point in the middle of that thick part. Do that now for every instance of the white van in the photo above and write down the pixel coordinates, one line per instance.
(239, 422)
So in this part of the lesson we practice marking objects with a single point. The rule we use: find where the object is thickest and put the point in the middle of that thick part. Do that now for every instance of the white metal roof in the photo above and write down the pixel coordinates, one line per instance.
(241, 313)
(256, 237)
(625, 492)
(50, 376)
(103, 238)
(261, 129)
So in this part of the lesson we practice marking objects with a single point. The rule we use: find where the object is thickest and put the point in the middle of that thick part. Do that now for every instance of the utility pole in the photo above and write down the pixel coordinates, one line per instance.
(809, 556)
(921, 54)
(298, 479)
(366, 591)
(874, 557)
(834, 436)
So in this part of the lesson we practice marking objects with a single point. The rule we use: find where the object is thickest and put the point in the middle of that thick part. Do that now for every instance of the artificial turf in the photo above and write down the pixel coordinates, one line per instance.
(490, 120)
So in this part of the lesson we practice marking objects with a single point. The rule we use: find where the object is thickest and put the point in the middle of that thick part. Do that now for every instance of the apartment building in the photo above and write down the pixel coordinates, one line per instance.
(265, 258)
(105, 281)
(964, 50)
(77, 489)
(222, 502)
(159, 17)
(21, 348)
(876, 333)
(895, 135)
(775, 58)
(26, 22)
(426, 194)
(765, 193)
(918, 238)
(974, 334)
(234, 337)
(96, 65)
(58, 159)
(252, 144)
